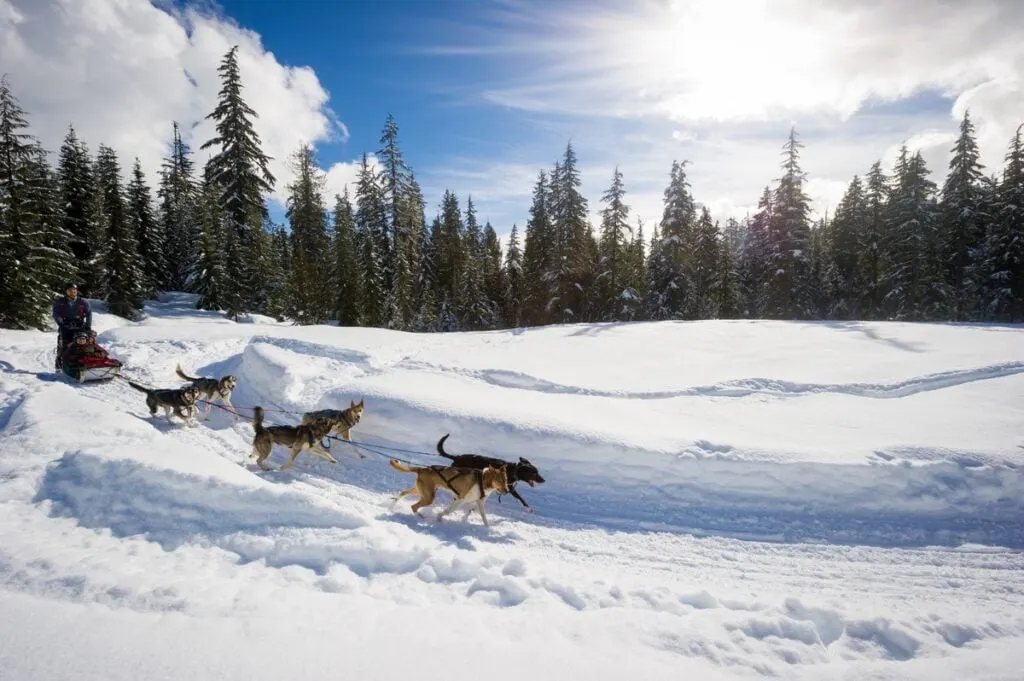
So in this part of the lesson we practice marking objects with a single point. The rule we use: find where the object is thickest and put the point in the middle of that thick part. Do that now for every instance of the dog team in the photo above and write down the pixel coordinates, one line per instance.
(471, 478)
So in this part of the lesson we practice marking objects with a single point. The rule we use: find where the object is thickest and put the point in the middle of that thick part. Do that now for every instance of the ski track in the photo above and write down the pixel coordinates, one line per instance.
(671, 551)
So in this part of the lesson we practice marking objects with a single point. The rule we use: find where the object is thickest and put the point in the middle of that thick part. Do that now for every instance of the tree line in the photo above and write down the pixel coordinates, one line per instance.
(897, 247)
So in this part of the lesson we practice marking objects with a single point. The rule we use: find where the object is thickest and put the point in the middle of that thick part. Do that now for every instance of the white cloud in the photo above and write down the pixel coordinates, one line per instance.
(121, 70)
(341, 175)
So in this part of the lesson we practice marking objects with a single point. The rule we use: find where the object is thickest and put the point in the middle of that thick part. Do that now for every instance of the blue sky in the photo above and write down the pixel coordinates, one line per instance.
(488, 92)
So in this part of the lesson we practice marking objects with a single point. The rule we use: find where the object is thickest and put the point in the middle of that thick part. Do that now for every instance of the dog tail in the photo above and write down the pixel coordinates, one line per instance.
(138, 387)
(257, 419)
(440, 448)
(399, 466)
(181, 374)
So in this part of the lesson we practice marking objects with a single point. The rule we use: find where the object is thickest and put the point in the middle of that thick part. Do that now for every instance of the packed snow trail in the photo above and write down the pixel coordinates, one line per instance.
(172, 544)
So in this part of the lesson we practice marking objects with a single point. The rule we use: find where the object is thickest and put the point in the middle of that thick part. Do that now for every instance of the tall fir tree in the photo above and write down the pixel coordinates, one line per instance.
(668, 295)
(962, 215)
(476, 311)
(211, 270)
(148, 235)
(309, 300)
(179, 217)
(124, 267)
(844, 253)
(74, 173)
(1004, 243)
(514, 282)
(704, 275)
(345, 280)
(790, 287)
(538, 257)
(613, 285)
(568, 208)
(240, 171)
(371, 232)
(913, 273)
(871, 239)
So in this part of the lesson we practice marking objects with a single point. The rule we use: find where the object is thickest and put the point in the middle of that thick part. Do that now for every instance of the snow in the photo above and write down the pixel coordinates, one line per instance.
(724, 500)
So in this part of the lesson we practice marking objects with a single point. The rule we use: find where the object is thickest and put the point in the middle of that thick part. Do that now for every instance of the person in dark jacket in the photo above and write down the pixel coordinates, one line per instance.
(72, 314)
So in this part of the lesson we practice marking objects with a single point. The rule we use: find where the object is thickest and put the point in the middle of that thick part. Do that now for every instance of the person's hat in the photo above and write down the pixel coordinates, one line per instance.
(70, 284)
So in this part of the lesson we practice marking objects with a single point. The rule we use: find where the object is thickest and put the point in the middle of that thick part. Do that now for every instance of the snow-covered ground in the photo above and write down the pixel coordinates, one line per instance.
(724, 500)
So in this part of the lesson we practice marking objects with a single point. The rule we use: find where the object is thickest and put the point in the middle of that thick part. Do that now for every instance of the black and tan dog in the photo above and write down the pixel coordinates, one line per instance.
(519, 471)
(342, 420)
(212, 389)
(305, 436)
(469, 485)
(177, 400)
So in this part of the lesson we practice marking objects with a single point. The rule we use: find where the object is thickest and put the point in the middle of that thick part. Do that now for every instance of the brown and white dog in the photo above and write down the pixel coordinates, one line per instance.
(212, 389)
(469, 485)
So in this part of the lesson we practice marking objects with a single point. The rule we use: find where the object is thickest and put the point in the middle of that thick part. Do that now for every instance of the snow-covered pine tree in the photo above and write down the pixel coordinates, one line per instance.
(635, 291)
(761, 256)
(125, 275)
(179, 216)
(842, 252)
(371, 224)
(404, 215)
(669, 294)
(495, 285)
(26, 258)
(240, 171)
(148, 235)
(703, 275)
(913, 271)
(1005, 240)
(514, 283)
(477, 312)
(97, 221)
(270, 261)
(450, 252)
(538, 256)
(963, 218)
(572, 267)
(869, 279)
(309, 298)
(211, 272)
(74, 173)
(790, 287)
(345, 279)
(425, 318)
(613, 291)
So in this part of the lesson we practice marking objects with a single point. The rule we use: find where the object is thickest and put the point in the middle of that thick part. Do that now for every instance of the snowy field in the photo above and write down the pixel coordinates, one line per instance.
(724, 500)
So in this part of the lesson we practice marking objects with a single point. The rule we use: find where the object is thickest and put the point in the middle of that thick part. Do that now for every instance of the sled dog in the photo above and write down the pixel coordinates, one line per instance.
(212, 389)
(182, 401)
(297, 438)
(469, 485)
(342, 420)
(519, 471)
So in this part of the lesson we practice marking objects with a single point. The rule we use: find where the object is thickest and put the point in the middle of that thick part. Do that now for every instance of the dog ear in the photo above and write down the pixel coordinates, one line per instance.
(360, 401)
(522, 460)
(352, 404)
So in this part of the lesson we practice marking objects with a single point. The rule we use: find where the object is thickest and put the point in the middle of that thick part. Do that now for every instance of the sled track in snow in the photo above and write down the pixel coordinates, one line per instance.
(746, 387)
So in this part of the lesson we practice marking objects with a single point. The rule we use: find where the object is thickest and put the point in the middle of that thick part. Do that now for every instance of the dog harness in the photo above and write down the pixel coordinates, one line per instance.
(461, 471)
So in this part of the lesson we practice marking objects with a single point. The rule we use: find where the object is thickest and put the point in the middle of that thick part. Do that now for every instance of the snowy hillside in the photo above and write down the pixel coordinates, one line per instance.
(724, 500)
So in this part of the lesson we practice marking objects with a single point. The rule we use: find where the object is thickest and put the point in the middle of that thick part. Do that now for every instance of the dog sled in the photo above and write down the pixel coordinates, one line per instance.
(84, 360)
(87, 369)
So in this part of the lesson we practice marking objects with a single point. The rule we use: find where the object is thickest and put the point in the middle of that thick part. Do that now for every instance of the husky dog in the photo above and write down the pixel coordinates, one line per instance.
(296, 438)
(177, 400)
(342, 421)
(469, 485)
(213, 389)
(521, 470)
